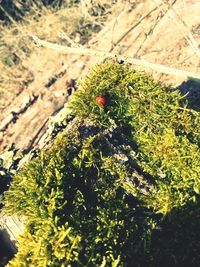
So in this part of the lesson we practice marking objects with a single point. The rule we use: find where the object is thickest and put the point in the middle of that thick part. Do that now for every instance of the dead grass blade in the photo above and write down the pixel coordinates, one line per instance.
(63, 35)
(178, 21)
(133, 27)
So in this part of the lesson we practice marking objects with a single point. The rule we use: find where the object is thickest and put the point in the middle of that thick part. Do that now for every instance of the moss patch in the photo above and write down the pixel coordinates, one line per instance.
(109, 192)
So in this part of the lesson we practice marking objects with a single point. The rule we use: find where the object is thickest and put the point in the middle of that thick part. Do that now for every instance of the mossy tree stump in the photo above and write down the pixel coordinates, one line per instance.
(115, 181)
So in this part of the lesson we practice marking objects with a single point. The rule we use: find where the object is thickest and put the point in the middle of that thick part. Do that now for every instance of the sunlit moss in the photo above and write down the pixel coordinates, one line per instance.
(81, 201)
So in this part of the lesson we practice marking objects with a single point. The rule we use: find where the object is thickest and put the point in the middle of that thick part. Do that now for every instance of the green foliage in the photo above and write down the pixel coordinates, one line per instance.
(166, 131)
(77, 213)
(47, 245)
(109, 80)
(81, 201)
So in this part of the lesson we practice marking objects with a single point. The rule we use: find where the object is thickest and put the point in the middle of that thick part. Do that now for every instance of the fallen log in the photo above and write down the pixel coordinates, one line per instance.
(12, 117)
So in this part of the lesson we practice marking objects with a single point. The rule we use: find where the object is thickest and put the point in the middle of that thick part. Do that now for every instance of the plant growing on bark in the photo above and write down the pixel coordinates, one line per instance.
(84, 199)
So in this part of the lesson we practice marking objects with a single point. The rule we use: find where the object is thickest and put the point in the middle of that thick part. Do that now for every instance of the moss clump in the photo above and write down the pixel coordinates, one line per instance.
(76, 210)
(166, 131)
(104, 194)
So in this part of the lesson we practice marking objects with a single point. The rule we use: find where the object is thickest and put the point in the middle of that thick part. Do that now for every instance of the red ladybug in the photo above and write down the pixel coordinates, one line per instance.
(100, 100)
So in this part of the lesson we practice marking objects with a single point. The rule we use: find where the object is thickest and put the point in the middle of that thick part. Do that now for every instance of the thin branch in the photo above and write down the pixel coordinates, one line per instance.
(179, 21)
(91, 52)
(150, 31)
(7, 14)
(85, 6)
(63, 35)
(114, 26)
(132, 28)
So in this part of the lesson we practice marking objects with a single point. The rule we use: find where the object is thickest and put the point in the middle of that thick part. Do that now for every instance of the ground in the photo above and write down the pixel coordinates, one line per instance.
(159, 33)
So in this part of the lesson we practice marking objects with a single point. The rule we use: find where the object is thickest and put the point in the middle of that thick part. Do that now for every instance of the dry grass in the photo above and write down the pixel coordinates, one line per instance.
(77, 23)
(16, 45)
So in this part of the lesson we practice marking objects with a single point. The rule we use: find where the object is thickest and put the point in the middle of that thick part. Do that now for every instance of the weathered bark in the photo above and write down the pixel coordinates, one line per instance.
(13, 116)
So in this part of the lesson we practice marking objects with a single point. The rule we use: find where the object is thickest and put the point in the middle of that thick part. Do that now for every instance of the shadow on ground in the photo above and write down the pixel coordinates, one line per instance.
(5, 252)
(192, 89)
(177, 241)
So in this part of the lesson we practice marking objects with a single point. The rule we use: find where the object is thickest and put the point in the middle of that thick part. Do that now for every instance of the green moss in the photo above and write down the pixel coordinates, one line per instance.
(81, 198)
(166, 131)
(77, 213)
(109, 80)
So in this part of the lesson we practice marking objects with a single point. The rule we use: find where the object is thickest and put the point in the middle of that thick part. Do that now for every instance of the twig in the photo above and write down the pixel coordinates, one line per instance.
(7, 14)
(132, 28)
(66, 37)
(186, 58)
(187, 35)
(90, 52)
(150, 31)
(36, 136)
(114, 25)
(85, 5)
(184, 5)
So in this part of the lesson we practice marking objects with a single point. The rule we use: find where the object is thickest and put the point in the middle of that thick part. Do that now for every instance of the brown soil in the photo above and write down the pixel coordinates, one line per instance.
(157, 33)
